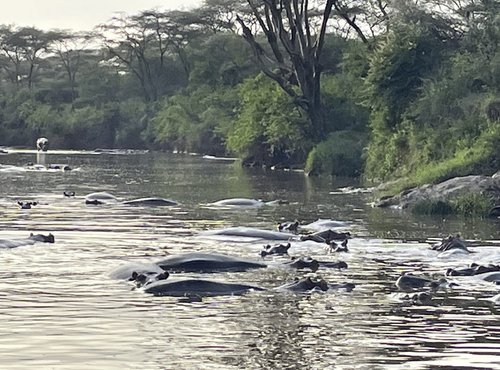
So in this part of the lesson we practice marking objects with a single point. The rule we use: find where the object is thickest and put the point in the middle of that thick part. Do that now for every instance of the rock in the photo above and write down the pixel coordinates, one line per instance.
(446, 190)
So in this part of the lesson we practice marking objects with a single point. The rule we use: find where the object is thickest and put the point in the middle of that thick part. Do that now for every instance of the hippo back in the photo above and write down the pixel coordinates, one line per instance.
(206, 262)
(181, 288)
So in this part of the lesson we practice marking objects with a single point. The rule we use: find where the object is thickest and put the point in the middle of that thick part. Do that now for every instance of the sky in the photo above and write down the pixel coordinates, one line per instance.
(77, 15)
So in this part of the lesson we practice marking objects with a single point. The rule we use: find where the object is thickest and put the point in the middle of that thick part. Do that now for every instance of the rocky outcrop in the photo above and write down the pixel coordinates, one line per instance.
(446, 190)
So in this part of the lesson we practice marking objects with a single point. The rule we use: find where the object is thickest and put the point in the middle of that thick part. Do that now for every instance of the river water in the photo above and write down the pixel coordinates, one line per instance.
(59, 308)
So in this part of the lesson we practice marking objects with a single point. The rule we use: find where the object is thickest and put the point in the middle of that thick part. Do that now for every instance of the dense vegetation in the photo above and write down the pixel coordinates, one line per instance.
(375, 88)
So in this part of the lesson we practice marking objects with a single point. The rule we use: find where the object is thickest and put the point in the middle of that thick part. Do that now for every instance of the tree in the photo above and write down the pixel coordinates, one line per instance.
(72, 49)
(296, 43)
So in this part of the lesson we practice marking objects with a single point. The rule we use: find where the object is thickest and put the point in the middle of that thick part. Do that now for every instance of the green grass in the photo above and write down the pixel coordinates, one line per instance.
(469, 205)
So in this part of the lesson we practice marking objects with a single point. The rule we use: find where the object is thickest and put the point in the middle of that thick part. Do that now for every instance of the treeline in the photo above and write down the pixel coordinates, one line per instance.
(348, 87)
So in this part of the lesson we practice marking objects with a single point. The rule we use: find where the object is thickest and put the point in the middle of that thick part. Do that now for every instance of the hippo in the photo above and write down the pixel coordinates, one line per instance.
(64, 167)
(249, 232)
(408, 282)
(334, 247)
(42, 144)
(494, 212)
(42, 238)
(326, 236)
(206, 262)
(95, 202)
(279, 249)
(27, 205)
(493, 276)
(239, 202)
(324, 224)
(102, 197)
(125, 271)
(449, 243)
(292, 227)
(473, 269)
(333, 265)
(146, 279)
(304, 285)
(32, 239)
(303, 263)
(150, 202)
(197, 287)
(420, 298)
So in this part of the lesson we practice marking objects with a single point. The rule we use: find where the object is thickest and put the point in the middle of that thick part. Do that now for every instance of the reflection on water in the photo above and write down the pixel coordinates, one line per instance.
(61, 311)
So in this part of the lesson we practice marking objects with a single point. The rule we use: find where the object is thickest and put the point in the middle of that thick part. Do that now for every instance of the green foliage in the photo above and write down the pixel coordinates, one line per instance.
(339, 155)
(196, 121)
(469, 205)
(269, 125)
(432, 207)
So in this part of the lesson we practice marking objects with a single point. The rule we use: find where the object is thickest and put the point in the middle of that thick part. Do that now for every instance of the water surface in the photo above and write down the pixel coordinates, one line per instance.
(60, 310)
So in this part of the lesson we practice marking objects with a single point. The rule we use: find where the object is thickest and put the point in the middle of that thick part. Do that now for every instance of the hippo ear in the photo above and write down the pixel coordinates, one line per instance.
(20, 203)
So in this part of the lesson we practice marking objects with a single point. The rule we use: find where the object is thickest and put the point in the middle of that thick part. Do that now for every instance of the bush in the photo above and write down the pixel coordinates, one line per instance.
(339, 155)
(469, 205)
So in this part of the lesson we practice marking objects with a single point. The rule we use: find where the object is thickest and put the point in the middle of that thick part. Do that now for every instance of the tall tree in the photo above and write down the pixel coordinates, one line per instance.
(295, 32)
(71, 49)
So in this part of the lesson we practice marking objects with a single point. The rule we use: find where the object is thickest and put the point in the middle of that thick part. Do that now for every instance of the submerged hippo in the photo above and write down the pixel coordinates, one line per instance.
(334, 247)
(451, 242)
(279, 249)
(32, 239)
(100, 197)
(146, 279)
(206, 262)
(292, 227)
(150, 202)
(473, 269)
(197, 287)
(42, 144)
(249, 232)
(27, 205)
(125, 271)
(326, 236)
(238, 202)
(245, 203)
(304, 285)
(307, 285)
(408, 282)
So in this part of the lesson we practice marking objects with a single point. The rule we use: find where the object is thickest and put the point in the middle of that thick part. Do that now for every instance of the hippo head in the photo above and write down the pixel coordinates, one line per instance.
(341, 265)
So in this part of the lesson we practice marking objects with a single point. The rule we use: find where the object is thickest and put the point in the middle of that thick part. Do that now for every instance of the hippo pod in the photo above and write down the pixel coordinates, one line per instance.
(451, 242)
(279, 249)
(408, 282)
(473, 269)
(326, 236)
(206, 262)
(32, 239)
(197, 287)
